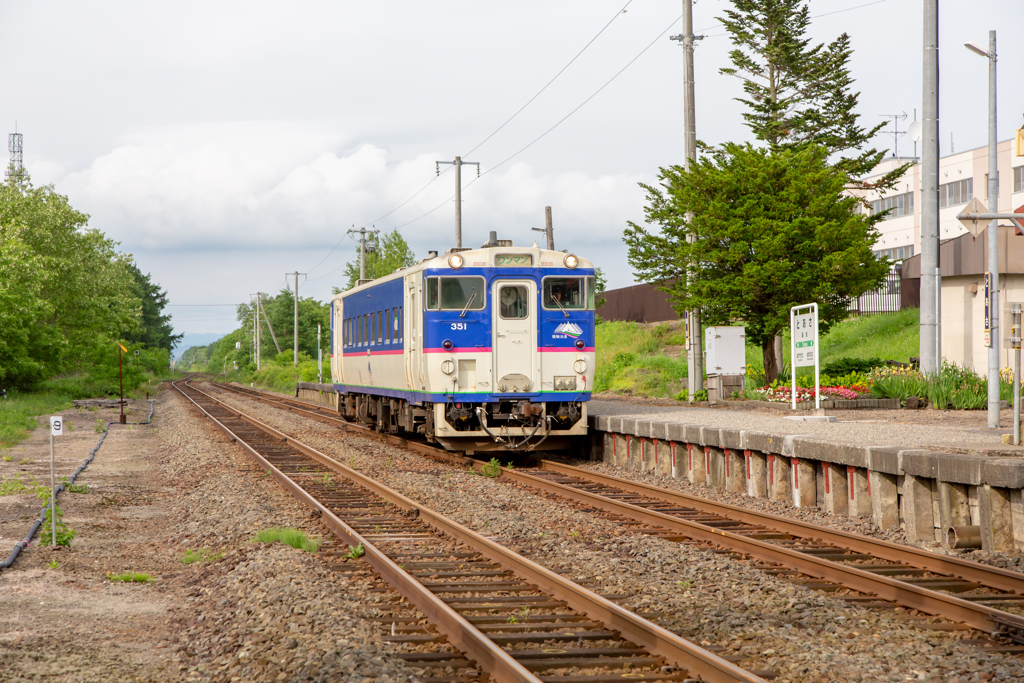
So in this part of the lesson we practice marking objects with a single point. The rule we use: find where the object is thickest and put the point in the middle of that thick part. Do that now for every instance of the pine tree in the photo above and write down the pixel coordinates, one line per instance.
(797, 92)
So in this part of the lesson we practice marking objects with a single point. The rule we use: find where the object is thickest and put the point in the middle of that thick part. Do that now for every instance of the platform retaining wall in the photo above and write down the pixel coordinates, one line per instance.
(923, 492)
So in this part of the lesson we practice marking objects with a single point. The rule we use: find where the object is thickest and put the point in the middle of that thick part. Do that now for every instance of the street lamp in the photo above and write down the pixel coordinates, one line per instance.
(993, 231)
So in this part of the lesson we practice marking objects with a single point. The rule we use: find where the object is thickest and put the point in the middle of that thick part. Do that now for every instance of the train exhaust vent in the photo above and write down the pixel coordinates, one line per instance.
(493, 241)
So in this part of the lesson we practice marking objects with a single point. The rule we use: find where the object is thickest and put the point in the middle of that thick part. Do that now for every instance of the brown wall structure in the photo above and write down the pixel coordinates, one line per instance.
(968, 255)
(639, 303)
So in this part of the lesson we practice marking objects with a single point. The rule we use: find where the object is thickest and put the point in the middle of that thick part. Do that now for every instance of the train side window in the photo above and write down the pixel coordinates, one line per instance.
(380, 327)
(373, 328)
(387, 326)
(563, 293)
(344, 332)
(401, 326)
(431, 299)
(394, 332)
(591, 293)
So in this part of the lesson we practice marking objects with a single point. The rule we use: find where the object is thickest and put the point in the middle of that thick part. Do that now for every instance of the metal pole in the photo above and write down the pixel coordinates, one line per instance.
(930, 321)
(258, 331)
(458, 202)
(53, 492)
(319, 358)
(548, 229)
(296, 318)
(993, 238)
(695, 354)
(362, 253)
(120, 378)
(1015, 341)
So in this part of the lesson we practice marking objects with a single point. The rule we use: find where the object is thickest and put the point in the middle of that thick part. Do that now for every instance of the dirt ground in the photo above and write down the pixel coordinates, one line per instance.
(154, 492)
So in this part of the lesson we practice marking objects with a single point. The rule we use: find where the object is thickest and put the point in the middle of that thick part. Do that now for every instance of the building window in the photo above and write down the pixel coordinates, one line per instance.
(1018, 179)
(900, 205)
(957, 192)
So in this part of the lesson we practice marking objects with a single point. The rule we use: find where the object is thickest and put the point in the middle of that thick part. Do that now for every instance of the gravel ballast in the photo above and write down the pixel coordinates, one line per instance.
(712, 599)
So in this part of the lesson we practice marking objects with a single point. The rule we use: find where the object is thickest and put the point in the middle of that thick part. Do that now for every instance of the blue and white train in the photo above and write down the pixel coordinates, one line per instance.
(479, 349)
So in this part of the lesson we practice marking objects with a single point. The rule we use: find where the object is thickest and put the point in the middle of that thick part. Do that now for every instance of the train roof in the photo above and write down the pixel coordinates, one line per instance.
(482, 257)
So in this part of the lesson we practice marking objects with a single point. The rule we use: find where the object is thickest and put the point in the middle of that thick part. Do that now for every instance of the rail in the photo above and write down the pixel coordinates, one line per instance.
(463, 634)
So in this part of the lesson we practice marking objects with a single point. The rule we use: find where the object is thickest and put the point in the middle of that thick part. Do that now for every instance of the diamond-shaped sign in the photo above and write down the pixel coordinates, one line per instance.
(975, 227)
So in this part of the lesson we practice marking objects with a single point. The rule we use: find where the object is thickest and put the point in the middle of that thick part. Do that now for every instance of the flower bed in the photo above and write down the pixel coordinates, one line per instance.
(784, 394)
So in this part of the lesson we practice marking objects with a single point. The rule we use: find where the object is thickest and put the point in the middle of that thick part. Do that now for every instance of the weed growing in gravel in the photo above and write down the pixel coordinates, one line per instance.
(64, 534)
(491, 469)
(292, 537)
(201, 555)
(131, 577)
(74, 488)
(25, 461)
(52, 564)
(354, 553)
(387, 462)
(12, 486)
(8, 458)
(327, 478)
(99, 427)
(685, 585)
(575, 535)
(377, 529)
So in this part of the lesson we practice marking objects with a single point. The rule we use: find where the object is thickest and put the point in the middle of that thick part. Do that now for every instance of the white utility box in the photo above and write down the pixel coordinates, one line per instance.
(725, 350)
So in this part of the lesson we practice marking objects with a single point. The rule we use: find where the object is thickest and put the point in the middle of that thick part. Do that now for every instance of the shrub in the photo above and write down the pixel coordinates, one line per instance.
(131, 577)
(845, 366)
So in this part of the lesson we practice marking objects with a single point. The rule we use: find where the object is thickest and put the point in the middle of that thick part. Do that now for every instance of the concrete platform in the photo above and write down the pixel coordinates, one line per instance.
(853, 467)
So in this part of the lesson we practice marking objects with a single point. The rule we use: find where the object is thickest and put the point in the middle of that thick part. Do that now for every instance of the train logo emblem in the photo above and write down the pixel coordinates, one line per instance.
(569, 329)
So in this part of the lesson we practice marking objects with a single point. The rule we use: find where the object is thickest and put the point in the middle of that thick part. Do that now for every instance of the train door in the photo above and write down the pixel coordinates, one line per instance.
(515, 335)
(413, 356)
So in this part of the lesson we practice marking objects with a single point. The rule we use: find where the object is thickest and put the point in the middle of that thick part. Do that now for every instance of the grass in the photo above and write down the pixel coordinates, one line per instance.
(18, 414)
(201, 555)
(12, 487)
(650, 360)
(131, 577)
(292, 537)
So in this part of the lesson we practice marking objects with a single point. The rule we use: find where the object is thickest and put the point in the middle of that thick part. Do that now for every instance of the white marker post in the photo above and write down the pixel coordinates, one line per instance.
(803, 340)
(56, 429)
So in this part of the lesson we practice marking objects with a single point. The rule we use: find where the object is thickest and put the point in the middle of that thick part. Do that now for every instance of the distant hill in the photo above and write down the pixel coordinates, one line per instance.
(191, 339)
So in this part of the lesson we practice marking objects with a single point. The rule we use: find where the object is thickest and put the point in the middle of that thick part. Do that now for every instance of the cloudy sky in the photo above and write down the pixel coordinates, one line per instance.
(225, 144)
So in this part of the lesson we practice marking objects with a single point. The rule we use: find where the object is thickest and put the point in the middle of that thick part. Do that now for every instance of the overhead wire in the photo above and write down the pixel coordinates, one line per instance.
(617, 14)
(556, 125)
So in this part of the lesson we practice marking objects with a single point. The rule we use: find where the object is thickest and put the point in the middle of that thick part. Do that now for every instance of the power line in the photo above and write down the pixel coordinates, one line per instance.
(617, 14)
(560, 122)
(584, 49)
(813, 16)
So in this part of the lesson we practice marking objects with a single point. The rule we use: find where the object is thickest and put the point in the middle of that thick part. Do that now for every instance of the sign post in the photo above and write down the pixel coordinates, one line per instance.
(56, 429)
(803, 339)
(988, 310)
(319, 358)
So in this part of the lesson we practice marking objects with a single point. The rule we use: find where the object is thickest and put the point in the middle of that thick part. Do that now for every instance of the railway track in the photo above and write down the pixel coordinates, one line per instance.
(867, 571)
(488, 607)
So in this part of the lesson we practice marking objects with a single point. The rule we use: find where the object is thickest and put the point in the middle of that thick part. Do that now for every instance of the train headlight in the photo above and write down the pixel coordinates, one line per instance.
(571, 261)
(448, 367)
(455, 260)
(580, 366)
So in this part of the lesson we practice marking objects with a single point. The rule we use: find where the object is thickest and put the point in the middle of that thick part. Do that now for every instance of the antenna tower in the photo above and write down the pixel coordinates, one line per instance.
(15, 147)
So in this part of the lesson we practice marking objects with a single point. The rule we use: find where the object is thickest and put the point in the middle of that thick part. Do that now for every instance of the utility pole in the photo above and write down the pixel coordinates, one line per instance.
(256, 327)
(548, 231)
(695, 337)
(296, 274)
(931, 279)
(364, 246)
(993, 231)
(458, 163)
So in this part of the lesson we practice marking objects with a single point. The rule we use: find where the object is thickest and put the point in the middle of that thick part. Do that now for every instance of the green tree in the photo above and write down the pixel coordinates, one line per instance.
(799, 93)
(155, 329)
(772, 229)
(392, 253)
(80, 290)
(280, 309)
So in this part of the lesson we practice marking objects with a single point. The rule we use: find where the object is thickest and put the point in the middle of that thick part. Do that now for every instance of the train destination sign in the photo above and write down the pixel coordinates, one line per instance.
(514, 260)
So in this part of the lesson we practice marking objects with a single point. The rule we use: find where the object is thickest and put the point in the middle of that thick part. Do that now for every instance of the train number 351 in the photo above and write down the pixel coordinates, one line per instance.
(458, 326)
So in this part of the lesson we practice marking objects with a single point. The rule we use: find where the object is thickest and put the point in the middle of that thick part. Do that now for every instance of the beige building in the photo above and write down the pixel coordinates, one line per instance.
(962, 257)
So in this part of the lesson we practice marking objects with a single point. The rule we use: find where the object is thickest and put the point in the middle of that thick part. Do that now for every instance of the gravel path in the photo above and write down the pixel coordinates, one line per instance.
(951, 431)
(804, 635)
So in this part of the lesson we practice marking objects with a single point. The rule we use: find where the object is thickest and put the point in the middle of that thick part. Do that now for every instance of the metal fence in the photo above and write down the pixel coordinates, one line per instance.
(886, 299)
